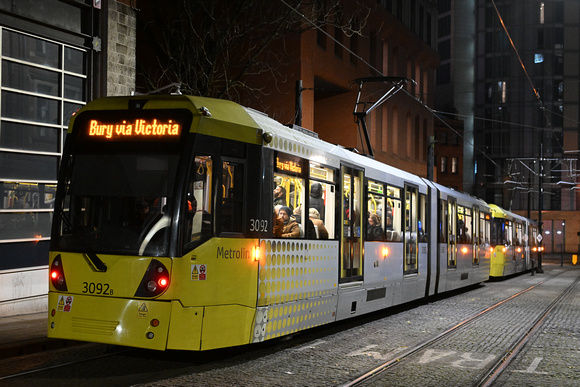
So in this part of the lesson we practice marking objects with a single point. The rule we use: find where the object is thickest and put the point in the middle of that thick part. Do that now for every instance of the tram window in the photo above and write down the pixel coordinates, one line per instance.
(499, 229)
(443, 221)
(322, 200)
(198, 202)
(423, 224)
(464, 225)
(411, 225)
(289, 197)
(484, 228)
(518, 234)
(393, 215)
(508, 234)
(232, 196)
(376, 212)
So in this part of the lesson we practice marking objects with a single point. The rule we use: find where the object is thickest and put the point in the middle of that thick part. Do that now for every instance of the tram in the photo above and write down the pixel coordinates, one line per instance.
(514, 243)
(191, 223)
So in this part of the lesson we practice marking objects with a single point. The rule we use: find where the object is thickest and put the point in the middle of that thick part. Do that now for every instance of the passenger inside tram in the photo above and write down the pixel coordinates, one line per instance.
(291, 228)
(279, 196)
(320, 229)
(374, 229)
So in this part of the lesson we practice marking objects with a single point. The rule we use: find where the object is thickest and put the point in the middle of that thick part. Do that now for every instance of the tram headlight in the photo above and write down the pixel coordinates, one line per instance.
(152, 286)
(155, 281)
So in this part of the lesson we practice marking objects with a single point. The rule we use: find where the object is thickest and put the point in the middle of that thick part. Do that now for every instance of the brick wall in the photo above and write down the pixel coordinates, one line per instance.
(122, 24)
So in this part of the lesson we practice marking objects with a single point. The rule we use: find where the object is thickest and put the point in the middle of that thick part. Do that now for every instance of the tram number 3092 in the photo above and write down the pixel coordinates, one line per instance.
(97, 288)
(260, 225)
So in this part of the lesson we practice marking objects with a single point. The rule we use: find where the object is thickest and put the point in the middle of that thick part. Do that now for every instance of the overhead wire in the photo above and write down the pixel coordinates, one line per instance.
(417, 99)
(435, 113)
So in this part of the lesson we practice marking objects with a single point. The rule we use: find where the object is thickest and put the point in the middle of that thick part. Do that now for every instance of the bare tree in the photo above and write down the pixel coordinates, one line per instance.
(213, 47)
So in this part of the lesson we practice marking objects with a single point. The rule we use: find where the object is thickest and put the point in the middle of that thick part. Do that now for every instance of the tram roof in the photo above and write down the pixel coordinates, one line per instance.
(299, 143)
(462, 197)
(499, 212)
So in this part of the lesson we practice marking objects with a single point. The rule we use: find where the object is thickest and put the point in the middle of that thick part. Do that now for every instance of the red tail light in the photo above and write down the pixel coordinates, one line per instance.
(155, 281)
(57, 274)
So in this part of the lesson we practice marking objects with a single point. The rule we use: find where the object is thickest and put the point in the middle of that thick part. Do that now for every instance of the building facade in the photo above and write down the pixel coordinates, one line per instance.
(456, 90)
(396, 38)
(527, 104)
(54, 57)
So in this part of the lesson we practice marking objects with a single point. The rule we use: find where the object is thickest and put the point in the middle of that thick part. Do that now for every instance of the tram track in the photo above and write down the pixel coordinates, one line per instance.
(132, 366)
(500, 366)
(37, 363)
(492, 372)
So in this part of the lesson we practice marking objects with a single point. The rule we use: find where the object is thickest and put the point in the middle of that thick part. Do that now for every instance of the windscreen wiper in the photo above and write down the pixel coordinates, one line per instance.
(96, 263)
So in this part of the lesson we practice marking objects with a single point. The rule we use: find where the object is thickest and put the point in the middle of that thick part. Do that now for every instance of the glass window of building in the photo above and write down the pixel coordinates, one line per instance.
(43, 83)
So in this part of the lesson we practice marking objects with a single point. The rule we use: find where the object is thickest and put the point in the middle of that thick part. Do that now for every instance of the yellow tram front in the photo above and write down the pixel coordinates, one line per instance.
(134, 259)
(510, 243)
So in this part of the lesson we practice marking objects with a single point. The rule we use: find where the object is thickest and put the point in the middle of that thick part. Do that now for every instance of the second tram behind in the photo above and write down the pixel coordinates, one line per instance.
(514, 240)
(166, 235)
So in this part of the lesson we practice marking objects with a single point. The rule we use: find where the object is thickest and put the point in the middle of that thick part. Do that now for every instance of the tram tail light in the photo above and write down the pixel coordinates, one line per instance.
(57, 274)
(257, 253)
(464, 250)
(155, 281)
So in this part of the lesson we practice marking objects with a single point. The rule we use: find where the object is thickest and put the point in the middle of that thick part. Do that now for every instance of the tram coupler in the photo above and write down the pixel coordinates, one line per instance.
(533, 268)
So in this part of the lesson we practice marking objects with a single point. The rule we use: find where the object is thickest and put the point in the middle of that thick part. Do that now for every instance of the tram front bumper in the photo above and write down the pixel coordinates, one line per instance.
(108, 320)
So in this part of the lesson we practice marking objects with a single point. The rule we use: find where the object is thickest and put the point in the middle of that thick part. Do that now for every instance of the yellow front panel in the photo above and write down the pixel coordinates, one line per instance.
(185, 329)
(222, 271)
(225, 326)
(108, 320)
(497, 262)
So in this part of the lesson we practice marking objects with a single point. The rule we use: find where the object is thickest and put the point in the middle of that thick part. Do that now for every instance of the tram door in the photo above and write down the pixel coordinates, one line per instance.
(452, 228)
(411, 230)
(351, 232)
(475, 233)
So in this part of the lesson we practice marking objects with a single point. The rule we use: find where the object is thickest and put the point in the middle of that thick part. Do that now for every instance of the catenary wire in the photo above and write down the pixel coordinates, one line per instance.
(430, 110)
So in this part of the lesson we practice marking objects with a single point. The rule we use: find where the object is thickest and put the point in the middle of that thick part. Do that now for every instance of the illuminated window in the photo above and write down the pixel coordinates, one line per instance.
(198, 206)
(411, 234)
(232, 196)
(289, 194)
(502, 86)
(322, 196)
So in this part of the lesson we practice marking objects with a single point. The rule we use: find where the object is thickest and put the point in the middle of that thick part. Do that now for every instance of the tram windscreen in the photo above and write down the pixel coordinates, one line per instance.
(118, 196)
